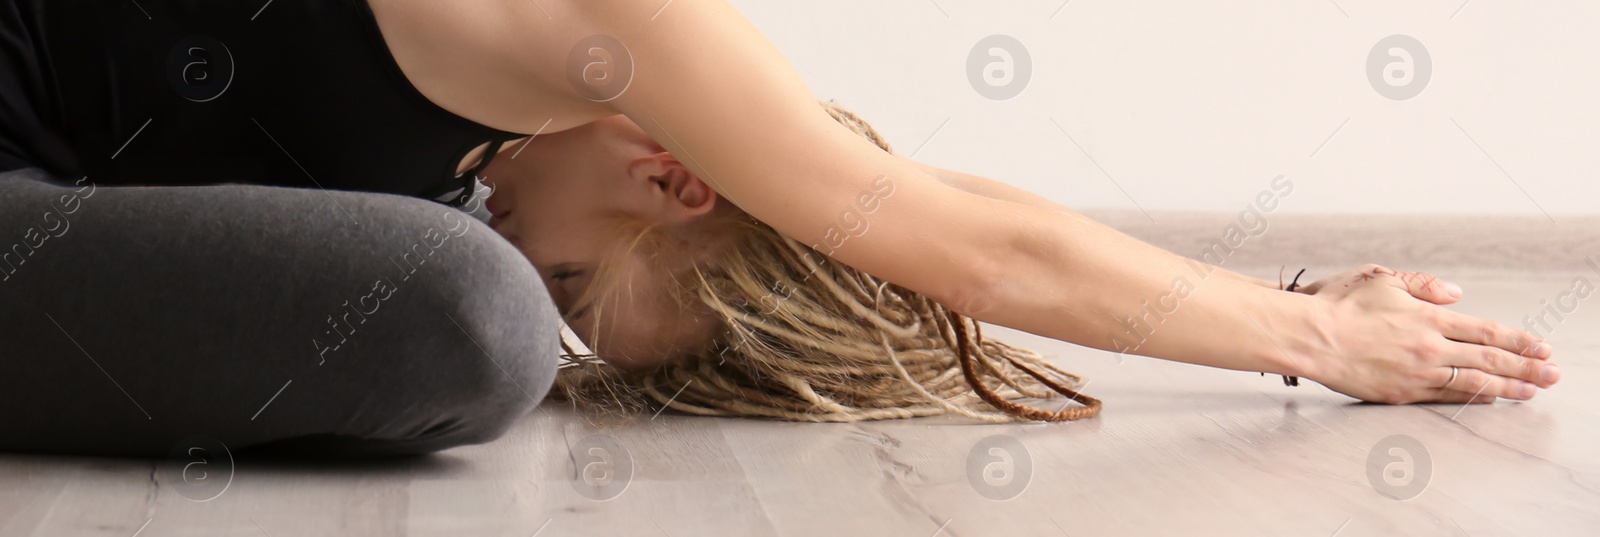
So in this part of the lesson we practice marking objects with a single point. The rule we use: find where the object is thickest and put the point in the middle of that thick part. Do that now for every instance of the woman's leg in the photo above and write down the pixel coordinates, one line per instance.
(322, 322)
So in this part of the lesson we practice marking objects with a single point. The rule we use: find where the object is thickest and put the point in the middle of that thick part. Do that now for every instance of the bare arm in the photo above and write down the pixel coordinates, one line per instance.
(998, 190)
(713, 91)
(1354, 347)
(709, 87)
(1082, 281)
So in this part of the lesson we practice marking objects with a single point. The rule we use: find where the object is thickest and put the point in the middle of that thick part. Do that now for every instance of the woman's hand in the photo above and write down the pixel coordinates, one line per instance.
(1390, 342)
(1420, 284)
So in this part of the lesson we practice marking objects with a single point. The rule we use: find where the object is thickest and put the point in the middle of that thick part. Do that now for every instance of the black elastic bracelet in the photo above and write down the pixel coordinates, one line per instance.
(1289, 380)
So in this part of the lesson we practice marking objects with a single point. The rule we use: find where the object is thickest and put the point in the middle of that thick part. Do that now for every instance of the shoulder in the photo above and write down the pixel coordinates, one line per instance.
(500, 63)
(708, 86)
(713, 90)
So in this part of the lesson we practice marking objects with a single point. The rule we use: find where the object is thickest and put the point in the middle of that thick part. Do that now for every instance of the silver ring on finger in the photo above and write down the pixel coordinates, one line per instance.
(1453, 372)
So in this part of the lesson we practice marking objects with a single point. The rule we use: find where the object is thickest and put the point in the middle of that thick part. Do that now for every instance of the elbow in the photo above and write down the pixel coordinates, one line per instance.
(977, 298)
(1007, 270)
(986, 282)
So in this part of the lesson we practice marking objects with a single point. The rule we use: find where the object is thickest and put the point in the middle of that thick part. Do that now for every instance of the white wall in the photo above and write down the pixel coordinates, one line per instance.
(1197, 105)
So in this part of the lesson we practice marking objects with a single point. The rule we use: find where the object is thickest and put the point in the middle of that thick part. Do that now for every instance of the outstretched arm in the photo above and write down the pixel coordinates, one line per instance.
(1301, 338)
(998, 190)
(709, 87)
(1078, 280)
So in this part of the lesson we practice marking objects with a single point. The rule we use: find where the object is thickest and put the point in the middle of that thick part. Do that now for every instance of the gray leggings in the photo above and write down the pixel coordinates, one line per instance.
(326, 323)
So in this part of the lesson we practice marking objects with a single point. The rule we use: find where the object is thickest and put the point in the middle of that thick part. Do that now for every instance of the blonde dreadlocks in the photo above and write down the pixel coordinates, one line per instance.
(806, 338)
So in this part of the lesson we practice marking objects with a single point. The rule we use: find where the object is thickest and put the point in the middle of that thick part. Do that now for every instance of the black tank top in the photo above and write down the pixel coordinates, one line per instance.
(298, 93)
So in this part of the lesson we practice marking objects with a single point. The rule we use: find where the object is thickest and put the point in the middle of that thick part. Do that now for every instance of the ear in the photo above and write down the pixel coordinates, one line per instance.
(684, 191)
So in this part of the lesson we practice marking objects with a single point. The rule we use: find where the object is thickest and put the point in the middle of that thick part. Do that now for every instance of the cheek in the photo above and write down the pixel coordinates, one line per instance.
(547, 206)
(626, 339)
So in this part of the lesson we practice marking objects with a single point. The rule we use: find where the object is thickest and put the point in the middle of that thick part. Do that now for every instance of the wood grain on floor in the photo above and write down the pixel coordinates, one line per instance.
(1180, 450)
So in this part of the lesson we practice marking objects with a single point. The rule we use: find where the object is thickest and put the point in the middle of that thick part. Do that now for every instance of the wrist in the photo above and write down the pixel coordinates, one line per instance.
(1251, 280)
(1297, 336)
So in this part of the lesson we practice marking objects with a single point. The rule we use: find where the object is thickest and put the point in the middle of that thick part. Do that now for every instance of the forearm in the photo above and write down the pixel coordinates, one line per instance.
(1081, 281)
(1002, 191)
(1078, 280)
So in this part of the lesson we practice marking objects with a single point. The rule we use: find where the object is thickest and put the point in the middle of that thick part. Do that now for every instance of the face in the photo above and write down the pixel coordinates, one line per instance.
(557, 198)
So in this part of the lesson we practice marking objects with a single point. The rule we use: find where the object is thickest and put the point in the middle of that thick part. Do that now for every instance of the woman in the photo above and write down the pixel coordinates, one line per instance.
(713, 312)
(416, 97)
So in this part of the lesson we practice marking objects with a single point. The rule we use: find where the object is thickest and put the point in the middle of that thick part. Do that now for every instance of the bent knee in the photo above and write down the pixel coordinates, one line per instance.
(500, 362)
(507, 323)
(476, 342)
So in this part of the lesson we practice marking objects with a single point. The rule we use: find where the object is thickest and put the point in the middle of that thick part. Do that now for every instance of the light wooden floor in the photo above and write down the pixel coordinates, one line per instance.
(1180, 450)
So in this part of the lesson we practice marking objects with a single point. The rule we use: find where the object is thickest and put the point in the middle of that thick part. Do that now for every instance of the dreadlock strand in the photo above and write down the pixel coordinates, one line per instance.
(804, 337)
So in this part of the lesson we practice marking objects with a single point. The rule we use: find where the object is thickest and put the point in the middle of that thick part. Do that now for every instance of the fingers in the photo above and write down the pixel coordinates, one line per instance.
(1469, 329)
(1422, 285)
(1479, 383)
(1429, 287)
(1501, 363)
